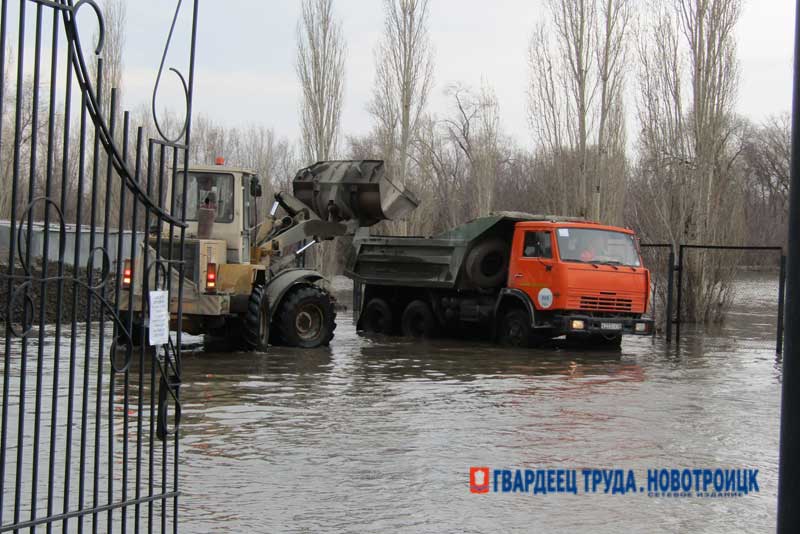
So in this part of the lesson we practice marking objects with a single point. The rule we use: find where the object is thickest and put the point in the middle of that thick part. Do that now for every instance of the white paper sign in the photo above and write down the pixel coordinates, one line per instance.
(159, 318)
(563, 232)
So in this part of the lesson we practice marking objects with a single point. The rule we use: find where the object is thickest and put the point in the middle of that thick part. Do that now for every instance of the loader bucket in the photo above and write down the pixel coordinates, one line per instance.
(352, 190)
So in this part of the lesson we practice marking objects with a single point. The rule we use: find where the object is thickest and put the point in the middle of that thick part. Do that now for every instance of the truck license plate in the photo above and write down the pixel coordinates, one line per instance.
(611, 326)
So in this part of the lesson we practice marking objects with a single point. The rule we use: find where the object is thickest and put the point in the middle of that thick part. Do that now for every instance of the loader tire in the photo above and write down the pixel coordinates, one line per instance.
(306, 317)
(377, 317)
(418, 320)
(487, 264)
(255, 323)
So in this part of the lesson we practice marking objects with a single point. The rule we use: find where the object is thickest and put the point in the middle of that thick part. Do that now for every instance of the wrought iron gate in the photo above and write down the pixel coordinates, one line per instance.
(89, 436)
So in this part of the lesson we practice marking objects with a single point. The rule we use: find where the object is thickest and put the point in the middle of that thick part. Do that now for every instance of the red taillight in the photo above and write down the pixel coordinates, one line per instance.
(211, 277)
(127, 274)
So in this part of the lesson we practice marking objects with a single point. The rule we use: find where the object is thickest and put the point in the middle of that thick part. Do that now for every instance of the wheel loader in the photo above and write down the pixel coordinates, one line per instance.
(242, 279)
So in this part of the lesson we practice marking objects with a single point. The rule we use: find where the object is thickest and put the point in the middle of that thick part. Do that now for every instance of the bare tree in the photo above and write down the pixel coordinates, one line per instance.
(690, 190)
(320, 70)
(614, 18)
(115, 23)
(576, 60)
(767, 153)
(404, 75)
(115, 20)
(475, 129)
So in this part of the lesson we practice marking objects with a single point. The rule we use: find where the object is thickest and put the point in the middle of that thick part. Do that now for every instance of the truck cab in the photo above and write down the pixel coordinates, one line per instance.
(580, 278)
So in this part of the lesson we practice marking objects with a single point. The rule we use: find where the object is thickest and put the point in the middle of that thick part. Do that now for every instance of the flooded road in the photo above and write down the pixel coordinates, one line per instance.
(378, 434)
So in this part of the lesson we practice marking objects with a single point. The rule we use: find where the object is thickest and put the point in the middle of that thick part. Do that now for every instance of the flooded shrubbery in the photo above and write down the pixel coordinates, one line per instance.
(71, 293)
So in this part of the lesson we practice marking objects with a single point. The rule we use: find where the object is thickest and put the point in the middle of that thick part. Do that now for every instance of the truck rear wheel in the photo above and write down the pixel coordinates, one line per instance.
(306, 317)
(377, 317)
(487, 263)
(418, 320)
(515, 329)
(255, 326)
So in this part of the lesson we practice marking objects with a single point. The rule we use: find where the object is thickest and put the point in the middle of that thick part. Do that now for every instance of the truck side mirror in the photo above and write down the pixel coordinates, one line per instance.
(255, 187)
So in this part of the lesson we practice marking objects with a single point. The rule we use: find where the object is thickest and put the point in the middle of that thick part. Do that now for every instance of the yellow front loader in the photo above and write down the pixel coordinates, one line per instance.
(240, 275)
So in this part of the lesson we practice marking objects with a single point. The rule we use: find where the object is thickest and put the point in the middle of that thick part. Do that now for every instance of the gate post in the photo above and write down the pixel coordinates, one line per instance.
(680, 294)
(670, 287)
(781, 299)
(789, 462)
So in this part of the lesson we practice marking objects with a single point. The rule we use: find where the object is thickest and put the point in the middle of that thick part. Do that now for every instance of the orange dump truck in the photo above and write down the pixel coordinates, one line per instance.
(519, 278)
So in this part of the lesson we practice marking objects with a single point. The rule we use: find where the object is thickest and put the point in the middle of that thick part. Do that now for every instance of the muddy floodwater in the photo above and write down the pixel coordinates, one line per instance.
(378, 434)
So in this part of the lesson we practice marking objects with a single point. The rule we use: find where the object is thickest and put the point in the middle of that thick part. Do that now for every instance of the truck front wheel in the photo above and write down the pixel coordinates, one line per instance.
(306, 317)
(515, 329)
(418, 320)
(255, 334)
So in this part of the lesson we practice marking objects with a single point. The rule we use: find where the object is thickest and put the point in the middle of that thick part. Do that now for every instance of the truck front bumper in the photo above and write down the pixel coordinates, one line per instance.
(577, 324)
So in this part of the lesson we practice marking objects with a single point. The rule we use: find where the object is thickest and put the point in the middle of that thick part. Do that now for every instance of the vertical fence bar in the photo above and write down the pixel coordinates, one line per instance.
(781, 300)
(51, 135)
(6, 360)
(11, 254)
(789, 463)
(59, 297)
(178, 363)
(34, 141)
(74, 340)
(680, 294)
(90, 276)
(670, 289)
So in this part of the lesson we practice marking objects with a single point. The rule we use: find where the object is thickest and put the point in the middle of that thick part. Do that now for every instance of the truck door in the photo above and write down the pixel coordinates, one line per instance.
(531, 265)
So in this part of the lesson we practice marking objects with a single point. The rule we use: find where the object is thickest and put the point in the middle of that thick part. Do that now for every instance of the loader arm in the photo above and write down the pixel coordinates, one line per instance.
(331, 199)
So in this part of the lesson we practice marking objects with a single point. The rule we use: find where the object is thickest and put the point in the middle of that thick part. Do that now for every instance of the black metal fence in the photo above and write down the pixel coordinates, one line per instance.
(89, 425)
(673, 310)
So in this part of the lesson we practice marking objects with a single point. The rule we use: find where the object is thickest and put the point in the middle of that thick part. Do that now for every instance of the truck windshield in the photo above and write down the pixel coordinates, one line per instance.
(210, 190)
(597, 246)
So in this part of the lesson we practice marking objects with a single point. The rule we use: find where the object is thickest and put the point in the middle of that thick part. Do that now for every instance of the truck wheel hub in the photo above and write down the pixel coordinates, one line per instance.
(308, 322)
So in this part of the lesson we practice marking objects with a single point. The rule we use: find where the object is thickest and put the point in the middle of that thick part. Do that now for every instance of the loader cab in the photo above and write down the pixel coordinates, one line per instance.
(232, 193)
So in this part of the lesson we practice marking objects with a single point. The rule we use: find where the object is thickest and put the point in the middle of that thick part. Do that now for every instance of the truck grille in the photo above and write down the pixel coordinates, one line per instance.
(605, 303)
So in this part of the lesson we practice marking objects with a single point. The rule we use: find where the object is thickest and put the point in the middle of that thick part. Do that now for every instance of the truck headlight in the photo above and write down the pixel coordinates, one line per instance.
(641, 327)
(577, 324)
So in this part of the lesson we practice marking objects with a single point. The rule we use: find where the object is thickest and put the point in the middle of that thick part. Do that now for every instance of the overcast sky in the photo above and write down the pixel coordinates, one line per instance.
(246, 50)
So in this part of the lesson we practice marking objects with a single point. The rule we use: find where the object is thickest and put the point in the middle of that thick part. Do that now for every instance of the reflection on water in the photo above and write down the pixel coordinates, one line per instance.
(377, 434)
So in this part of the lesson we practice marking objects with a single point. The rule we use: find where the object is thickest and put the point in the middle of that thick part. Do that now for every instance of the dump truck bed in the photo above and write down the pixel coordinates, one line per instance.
(412, 261)
(428, 261)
